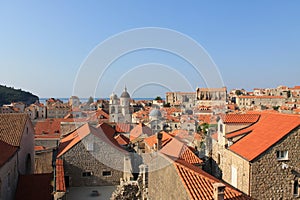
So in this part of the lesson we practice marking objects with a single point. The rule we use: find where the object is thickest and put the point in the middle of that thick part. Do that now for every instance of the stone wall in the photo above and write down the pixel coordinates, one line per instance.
(228, 159)
(165, 183)
(78, 160)
(8, 183)
(269, 180)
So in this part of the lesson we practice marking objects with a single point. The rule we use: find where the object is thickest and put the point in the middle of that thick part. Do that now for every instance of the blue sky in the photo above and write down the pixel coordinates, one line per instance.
(43, 44)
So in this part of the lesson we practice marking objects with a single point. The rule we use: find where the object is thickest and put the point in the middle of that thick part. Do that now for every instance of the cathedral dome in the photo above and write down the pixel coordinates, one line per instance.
(125, 94)
(155, 113)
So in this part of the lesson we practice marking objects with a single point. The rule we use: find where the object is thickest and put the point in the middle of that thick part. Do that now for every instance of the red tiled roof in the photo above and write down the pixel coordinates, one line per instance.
(270, 128)
(122, 128)
(34, 186)
(7, 151)
(139, 130)
(199, 184)
(60, 176)
(122, 140)
(240, 118)
(49, 126)
(103, 132)
(150, 141)
(12, 127)
(178, 150)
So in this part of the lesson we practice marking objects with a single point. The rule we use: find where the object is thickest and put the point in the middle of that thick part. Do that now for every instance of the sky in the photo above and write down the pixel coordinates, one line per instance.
(44, 45)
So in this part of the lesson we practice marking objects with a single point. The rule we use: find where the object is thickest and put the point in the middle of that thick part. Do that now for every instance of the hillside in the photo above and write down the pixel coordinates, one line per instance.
(9, 94)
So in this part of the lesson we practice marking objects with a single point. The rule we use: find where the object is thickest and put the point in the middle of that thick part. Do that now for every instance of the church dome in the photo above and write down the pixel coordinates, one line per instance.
(125, 94)
(155, 113)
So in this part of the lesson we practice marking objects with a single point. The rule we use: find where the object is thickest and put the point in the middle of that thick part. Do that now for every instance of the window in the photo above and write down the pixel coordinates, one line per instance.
(87, 174)
(221, 128)
(296, 188)
(282, 155)
(219, 159)
(106, 173)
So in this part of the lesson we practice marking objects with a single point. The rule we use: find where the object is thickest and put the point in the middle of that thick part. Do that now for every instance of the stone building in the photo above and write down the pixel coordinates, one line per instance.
(119, 109)
(259, 154)
(252, 101)
(181, 179)
(186, 99)
(17, 151)
(211, 96)
(92, 157)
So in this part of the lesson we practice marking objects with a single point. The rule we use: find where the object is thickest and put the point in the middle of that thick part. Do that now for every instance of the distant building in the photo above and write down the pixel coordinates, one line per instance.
(74, 101)
(252, 101)
(186, 99)
(119, 109)
(211, 96)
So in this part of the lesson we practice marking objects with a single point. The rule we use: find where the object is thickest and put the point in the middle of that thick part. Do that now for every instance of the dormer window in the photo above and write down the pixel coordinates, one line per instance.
(282, 155)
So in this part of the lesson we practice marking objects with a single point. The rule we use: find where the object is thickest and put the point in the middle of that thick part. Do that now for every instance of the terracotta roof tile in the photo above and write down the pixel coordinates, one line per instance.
(104, 132)
(60, 176)
(270, 128)
(178, 150)
(199, 184)
(123, 127)
(122, 140)
(150, 141)
(12, 127)
(139, 130)
(240, 118)
(7, 151)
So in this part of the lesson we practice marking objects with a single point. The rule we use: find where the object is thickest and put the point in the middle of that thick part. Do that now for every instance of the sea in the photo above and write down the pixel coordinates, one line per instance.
(83, 100)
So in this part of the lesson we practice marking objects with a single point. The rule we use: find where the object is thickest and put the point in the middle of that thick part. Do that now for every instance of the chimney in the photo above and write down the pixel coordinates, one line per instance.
(159, 140)
(219, 189)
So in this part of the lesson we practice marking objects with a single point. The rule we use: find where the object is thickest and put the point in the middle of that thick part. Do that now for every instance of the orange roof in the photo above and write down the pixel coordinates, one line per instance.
(60, 176)
(123, 128)
(175, 149)
(7, 151)
(103, 131)
(150, 141)
(139, 130)
(49, 126)
(240, 118)
(270, 128)
(12, 127)
(199, 184)
(122, 140)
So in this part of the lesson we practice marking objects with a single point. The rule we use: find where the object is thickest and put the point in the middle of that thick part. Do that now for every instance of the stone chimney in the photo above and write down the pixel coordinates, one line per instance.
(219, 190)
(159, 140)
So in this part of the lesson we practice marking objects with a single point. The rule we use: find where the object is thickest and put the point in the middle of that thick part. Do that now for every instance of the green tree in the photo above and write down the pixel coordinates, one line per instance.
(158, 98)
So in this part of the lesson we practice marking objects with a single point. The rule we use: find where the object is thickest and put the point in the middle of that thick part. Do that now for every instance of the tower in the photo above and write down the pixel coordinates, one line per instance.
(113, 108)
(125, 106)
